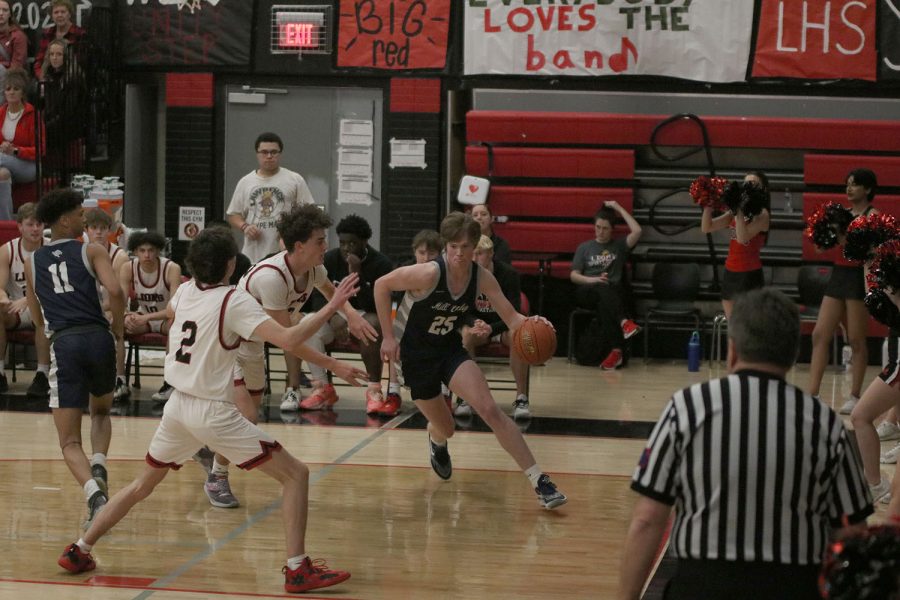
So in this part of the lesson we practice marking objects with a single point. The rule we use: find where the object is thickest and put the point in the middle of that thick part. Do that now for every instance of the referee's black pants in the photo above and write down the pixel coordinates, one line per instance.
(731, 580)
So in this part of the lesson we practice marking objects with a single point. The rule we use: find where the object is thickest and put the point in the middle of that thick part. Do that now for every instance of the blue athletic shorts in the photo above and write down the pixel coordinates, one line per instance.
(81, 364)
(424, 375)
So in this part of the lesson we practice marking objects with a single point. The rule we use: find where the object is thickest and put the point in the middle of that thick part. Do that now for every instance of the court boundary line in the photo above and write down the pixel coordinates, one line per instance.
(85, 584)
(263, 513)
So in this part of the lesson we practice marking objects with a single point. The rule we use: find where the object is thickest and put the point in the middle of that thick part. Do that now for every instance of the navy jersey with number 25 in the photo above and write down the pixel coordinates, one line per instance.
(429, 325)
(66, 285)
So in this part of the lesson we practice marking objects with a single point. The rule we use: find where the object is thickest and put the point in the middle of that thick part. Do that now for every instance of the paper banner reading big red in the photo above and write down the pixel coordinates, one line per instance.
(816, 40)
(889, 40)
(196, 33)
(393, 34)
(705, 40)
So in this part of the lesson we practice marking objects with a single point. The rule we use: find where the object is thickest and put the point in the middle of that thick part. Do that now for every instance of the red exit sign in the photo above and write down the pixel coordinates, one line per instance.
(300, 31)
(298, 35)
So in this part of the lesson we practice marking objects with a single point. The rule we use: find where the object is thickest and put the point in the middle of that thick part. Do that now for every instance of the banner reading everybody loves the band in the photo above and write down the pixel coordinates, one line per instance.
(702, 40)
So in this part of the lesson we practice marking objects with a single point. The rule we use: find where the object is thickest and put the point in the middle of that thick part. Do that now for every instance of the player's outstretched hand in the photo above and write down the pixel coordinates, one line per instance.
(345, 290)
(361, 329)
(350, 374)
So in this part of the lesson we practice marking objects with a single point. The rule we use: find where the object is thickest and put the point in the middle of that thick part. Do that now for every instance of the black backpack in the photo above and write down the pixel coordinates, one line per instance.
(590, 347)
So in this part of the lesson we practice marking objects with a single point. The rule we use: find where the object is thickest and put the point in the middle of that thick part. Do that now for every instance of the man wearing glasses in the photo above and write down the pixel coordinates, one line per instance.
(262, 196)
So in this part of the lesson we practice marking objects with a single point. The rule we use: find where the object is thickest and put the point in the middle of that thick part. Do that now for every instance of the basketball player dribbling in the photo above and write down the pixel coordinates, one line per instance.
(425, 339)
(209, 319)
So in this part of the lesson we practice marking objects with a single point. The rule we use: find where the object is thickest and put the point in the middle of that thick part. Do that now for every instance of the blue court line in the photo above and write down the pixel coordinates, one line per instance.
(166, 580)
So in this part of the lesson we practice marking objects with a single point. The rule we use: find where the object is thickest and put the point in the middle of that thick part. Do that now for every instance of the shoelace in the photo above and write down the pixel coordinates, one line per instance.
(317, 565)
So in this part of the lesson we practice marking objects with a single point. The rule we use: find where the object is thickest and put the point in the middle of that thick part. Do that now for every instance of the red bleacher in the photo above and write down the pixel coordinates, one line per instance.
(570, 163)
(832, 169)
(609, 129)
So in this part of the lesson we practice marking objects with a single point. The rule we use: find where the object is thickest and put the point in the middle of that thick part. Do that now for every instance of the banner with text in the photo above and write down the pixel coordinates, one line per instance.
(393, 34)
(816, 40)
(705, 40)
(889, 40)
(186, 32)
(35, 14)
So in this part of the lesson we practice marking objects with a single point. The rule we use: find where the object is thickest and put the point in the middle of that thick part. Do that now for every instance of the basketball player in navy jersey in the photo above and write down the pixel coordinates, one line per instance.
(61, 287)
(209, 321)
(425, 339)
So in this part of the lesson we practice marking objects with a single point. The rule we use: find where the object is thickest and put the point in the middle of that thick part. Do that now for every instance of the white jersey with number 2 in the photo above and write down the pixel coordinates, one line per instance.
(209, 323)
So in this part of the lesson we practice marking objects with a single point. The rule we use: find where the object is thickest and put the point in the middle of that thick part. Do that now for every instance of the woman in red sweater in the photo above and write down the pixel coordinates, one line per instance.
(743, 267)
(18, 151)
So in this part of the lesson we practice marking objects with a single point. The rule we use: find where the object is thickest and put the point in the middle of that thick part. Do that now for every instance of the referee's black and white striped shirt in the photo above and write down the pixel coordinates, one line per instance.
(757, 469)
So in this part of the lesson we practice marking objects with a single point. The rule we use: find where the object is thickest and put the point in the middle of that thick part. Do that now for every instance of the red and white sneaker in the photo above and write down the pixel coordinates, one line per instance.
(331, 396)
(321, 397)
(312, 575)
(629, 328)
(374, 401)
(612, 360)
(74, 560)
(391, 405)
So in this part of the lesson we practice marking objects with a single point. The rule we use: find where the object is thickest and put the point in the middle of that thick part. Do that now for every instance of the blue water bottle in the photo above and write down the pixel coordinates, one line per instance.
(694, 351)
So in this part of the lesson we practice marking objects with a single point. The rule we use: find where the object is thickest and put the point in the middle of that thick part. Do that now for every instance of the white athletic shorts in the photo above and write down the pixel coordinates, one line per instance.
(24, 320)
(250, 367)
(189, 423)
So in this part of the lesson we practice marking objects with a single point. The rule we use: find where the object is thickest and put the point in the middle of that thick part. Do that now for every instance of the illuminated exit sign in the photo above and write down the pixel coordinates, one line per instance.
(300, 30)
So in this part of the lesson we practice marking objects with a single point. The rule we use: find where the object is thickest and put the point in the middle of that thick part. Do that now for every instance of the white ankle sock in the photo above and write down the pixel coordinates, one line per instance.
(295, 561)
(90, 488)
(219, 470)
(533, 473)
(45, 369)
(393, 388)
(98, 459)
(83, 545)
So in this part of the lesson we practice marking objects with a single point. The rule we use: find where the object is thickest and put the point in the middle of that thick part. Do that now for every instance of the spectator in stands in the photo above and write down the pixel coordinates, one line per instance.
(64, 28)
(844, 298)
(474, 334)
(18, 151)
(743, 267)
(354, 255)
(64, 95)
(13, 43)
(13, 304)
(759, 474)
(264, 195)
(598, 270)
(482, 214)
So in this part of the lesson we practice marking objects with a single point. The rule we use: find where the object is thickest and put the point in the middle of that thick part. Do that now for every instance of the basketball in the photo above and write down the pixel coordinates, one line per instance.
(535, 341)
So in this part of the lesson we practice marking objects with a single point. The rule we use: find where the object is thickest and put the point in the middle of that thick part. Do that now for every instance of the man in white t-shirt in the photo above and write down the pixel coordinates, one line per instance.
(209, 320)
(262, 196)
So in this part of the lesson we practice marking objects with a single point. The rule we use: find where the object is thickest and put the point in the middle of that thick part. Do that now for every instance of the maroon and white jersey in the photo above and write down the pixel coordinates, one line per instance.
(276, 287)
(151, 290)
(209, 323)
(15, 287)
(113, 250)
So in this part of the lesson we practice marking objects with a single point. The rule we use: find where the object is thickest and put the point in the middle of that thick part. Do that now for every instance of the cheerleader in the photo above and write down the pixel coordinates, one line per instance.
(749, 224)
(844, 298)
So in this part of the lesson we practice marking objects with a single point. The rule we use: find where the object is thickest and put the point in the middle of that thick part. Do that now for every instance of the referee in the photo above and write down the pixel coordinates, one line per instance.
(759, 472)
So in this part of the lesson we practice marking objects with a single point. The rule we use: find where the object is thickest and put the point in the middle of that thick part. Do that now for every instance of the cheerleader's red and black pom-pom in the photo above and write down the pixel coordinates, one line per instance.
(707, 191)
(824, 225)
(863, 566)
(865, 234)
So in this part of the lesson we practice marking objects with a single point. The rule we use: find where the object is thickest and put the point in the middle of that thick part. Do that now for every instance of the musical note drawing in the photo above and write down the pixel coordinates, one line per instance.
(619, 62)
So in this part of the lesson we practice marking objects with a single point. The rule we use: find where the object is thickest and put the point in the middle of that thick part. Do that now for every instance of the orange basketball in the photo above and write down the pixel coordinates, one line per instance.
(534, 342)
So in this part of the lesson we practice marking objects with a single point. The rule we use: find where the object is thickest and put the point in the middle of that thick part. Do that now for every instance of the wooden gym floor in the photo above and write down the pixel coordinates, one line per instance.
(376, 508)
